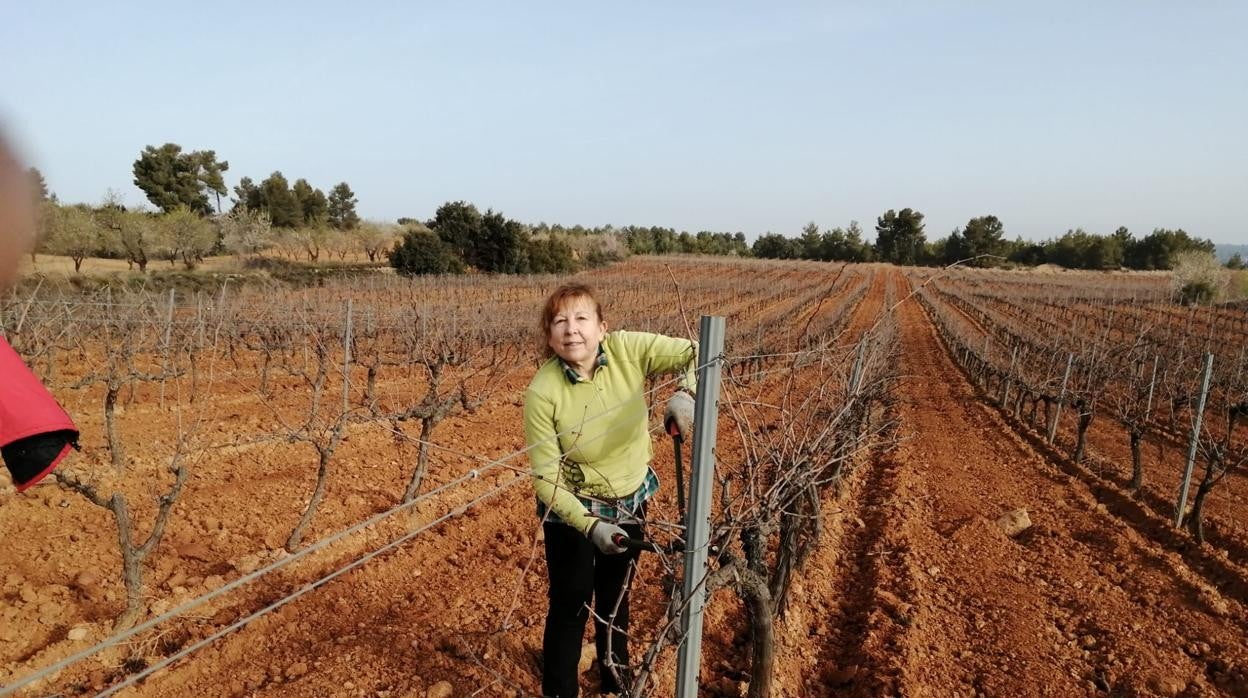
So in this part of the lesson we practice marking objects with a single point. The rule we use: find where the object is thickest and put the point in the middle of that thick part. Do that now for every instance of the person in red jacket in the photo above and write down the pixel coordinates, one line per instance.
(35, 433)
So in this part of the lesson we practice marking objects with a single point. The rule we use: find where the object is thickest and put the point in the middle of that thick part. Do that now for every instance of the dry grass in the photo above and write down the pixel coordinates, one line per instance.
(1237, 289)
(54, 265)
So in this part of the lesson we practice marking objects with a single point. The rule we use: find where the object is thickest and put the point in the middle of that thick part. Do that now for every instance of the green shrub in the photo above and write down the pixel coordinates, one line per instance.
(550, 256)
(1197, 292)
(423, 252)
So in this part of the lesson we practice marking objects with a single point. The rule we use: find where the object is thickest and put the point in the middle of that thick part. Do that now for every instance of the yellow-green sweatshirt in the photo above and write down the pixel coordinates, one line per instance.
(590, 436)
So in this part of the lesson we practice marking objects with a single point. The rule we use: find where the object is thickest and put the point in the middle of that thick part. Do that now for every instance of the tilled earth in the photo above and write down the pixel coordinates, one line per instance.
(914, 591)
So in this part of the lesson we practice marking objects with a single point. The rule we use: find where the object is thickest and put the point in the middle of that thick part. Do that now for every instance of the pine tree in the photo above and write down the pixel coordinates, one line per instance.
(342, 202)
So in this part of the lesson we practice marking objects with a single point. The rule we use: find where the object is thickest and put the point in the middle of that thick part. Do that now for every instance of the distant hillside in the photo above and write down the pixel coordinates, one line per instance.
(1224, 252)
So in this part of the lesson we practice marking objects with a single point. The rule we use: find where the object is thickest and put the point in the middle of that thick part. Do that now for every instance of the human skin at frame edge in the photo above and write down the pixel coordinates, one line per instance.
(17, 219)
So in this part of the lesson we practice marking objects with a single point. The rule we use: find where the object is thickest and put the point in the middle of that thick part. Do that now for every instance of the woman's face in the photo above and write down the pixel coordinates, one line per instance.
(575, 333)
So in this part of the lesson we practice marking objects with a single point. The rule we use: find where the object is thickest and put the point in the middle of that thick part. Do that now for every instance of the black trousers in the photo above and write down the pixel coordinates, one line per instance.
(579, 573)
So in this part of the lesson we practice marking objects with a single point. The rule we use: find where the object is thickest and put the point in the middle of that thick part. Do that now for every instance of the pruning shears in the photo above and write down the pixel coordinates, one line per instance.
(677, 439)
(634, 543)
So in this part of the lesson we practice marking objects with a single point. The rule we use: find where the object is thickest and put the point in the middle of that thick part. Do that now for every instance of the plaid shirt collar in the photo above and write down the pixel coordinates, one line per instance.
(571, 374)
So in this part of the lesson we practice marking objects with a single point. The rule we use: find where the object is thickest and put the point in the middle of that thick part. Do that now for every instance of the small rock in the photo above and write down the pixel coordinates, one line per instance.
(247, 564)
(456, 647)
(195, 550)
(896, 607)
(49, 611)
(587, 658)
(77, 634)
(1014, 522)
(441, 689)
(86, 580)
(28, 594)
(933, 570)
(844, 675)
(1215, 603)
(296, 670)
(1087, 642)
(1164, 685)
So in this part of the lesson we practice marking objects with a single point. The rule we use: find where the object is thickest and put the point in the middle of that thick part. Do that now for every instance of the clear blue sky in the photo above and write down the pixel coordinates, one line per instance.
(697, 115)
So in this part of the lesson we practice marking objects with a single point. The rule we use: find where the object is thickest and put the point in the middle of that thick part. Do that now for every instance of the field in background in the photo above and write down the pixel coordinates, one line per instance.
(907, 585)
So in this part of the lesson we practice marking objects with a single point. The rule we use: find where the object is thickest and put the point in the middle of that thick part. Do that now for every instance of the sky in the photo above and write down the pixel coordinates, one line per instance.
(726, 116)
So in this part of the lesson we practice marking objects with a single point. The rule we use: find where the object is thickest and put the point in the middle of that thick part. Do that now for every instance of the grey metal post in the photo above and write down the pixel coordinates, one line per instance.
(1152, 384)
(1009, 377)
(166, 345)
(1191, 449)
(698, 521)
(169, 319)
(199, 317)
(855, 376)
(1057, 411)
(346, 361)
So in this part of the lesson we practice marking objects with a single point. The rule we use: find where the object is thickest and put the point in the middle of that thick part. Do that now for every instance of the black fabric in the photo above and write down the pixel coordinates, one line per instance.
(28, 458)
(579, 573)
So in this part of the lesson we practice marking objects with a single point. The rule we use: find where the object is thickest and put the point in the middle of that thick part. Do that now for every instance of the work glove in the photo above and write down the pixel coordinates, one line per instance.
(603, 533)
(679, 413)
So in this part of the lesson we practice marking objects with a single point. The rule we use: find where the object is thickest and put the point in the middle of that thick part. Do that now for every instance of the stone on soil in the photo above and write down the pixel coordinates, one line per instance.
(1014, 522)
(587, 658)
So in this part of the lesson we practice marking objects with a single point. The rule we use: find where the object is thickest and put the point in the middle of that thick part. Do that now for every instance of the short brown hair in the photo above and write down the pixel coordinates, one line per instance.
(567, 293)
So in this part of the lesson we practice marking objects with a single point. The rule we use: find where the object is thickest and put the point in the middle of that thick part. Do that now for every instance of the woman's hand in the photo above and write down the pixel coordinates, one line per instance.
(603, 533)
(679, 414)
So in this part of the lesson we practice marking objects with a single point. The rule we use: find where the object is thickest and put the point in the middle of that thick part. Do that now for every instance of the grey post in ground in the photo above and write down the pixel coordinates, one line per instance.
(1061, 397)
(698, 520)
(1181, 506)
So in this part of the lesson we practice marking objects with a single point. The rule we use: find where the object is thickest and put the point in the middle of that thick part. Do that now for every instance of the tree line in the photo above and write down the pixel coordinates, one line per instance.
(300, 220)
(459, 237)
(140, 237)
(188, 222)
(174, 179)
(901, 239)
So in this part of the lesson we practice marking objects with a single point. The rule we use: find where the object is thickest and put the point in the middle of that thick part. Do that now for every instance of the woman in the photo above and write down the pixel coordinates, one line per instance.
(585, 421)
